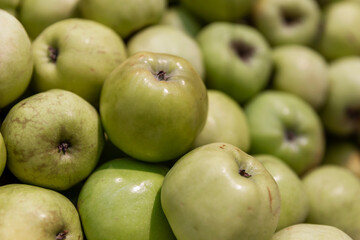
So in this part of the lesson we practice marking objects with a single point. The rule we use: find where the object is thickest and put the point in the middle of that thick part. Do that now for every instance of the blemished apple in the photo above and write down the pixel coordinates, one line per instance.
(124, 16)
(226, 122)
(170, 40)
(284, 125)
(307, 231)
(2, 154)
(16, 66)
(287, 21)
(217, 191)
(237, 59)
(294, 202)
(76, 55)
(121, 200)
(38, 213)
(36, 15)
(334, 197)
(53, 139)
(153, 106)
(300, 70)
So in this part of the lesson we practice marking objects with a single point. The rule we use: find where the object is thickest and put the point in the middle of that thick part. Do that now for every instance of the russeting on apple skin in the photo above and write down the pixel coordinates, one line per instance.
(217, 191)
(53, 139)
(153, 106)
(29, 211)
(121, 200)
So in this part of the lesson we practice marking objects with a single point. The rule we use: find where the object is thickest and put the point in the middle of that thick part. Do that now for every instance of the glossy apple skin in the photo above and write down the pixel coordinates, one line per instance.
(152, 119)
(2, 154)
(294, 201)
(35, 131)
(121, 200)
(239, 77)
(334, 196)
(16, 60)
(87, 53)
(284, 125)
(41, 213)
(204, 196)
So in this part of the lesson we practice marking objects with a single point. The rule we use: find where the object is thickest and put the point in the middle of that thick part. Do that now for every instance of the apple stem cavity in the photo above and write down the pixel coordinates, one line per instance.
(61, 235)
(161, 75)
(244, 50)
(353, 113)
(243, 173)
(53, 54)
(63, 147)
(291, 17)
(290, 135)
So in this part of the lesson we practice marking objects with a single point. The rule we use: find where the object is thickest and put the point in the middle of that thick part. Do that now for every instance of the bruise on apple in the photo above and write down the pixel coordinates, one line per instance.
(243, 50)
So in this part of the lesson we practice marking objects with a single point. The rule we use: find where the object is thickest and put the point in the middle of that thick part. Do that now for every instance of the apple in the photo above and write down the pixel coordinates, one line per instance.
(53, 139)
(334, 197)
(36, 15)
(76, 55)
(294, 202)
(339, 37)
(325, 3)
(170, 40)
(237, 59)
(308, 231)
(10, 6)
(34, 212)
(125, 16)
(217, 191)
(226, 122)
(284, 125)
(287, 21)
(153, 106)
(16, 66)
(121, 200)
(2, 154)
(302, 71)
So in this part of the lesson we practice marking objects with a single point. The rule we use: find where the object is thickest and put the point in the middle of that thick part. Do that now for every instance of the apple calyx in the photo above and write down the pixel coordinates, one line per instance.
(63, 147)
(353, 114)
(53, 54)
(291, 17)
(161, 76)
(243, 173)
(242, 49)
(61, 235)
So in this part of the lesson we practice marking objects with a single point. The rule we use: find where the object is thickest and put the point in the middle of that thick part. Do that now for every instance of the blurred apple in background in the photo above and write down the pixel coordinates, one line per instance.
(53, 139)
(237, 59)
(10, 6)
(2, 154)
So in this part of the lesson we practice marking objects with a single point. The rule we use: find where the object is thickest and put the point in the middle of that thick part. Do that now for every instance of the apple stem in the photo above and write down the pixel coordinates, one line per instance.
(53, 54)
(243, 173)
(161, 75)
(61, 235)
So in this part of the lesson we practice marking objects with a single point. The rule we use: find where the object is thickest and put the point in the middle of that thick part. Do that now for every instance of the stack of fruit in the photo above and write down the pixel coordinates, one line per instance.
(180, 119)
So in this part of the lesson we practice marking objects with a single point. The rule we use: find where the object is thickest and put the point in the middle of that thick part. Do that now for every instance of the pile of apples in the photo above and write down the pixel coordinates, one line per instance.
(180, 119)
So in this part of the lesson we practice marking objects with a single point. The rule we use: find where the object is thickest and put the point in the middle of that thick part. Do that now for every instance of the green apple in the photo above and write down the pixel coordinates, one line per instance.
(325, 3)
(53, 139)
(287, 21)
(334, 197)
(306, 231)
(10, 6)
(226, 122)
(302, 71)
(76, 55)
(121, 200)
(153, 106)
(284, 125)
(339, 37)
(294, 202)
(124, 16)
(215, 10)
(2, 154)
(170, 40)
(237, 59)
(217, 191)
(16, 66)
(36, 15)
(33, 212)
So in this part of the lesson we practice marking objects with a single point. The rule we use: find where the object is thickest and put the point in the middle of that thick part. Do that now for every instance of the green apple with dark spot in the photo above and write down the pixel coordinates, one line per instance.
(53, 139)
(153, 106)
(217, 191)
(2, 154)
(121, 200)
(284, 125)
(34, 212)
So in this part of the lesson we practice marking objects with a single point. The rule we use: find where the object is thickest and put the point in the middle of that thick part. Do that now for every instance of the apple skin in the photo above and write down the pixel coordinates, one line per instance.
(284, 125)
(38, 213)
(294, 201)
(153, 106)
(226, 122)
(170, 40)
(302, 71)
(16, 60)
(121, 200)
(308, 231)
(208, 194)
(334, 197)
(53, 139)
(237, 59)
(124, 16)
(285, 22)
(2, 154)
(76, 55)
